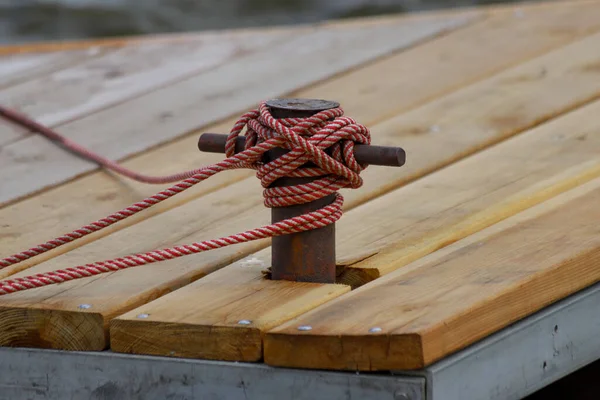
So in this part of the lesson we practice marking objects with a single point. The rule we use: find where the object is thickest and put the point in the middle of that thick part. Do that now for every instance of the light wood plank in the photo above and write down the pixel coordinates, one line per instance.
(238, 305)
(164, 114)
(454, 297)
(17, 68)
(124, 74)
(239, 206)
(504, 39)
(20, 68)
(97, 195)
(418, 219)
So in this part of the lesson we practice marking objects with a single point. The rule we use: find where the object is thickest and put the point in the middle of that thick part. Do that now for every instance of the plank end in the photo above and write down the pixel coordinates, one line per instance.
(135, 336)
(291, 348)
(220, 317)
(52, 329)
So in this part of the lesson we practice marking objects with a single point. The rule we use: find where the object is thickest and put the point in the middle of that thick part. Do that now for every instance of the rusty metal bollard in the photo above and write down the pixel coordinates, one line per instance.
(306, 256)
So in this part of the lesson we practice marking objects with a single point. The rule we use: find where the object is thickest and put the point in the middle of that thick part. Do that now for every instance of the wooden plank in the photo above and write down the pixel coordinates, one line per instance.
(172, 111)
(419, 218)
(20, 68)
(418, 75)
(124, 74)
(454, 297)
(507, 40)
(232, 329)
(49, 47)
(239, 206)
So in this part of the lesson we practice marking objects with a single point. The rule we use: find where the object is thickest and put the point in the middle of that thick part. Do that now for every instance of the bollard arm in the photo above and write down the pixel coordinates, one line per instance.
(365, 154)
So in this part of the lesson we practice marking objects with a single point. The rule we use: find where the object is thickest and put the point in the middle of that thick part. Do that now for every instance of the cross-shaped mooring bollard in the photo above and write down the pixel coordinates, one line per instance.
(306, 256)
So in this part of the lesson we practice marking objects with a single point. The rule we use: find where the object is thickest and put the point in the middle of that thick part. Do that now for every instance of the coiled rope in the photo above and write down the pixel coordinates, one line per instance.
(305, 138)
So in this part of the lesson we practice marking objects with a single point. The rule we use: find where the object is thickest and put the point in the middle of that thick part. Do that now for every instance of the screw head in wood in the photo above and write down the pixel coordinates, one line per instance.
(375, 329)
(143, 316)
(84, 306)
(244, 322)
(252, 262)
(305, 328)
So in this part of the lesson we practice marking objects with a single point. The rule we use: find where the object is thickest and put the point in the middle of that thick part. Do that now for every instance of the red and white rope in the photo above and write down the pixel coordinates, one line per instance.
(307, 139)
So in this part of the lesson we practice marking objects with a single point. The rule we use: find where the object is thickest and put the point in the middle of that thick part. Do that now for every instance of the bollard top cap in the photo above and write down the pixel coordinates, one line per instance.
(298, 104)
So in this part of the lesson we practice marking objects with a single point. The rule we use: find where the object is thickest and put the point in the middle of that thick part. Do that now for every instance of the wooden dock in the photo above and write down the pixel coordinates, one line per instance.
(469, 273)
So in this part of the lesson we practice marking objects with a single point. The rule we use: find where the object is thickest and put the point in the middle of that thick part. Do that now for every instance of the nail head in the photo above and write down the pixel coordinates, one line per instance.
(375, 329)
(305, 328)
(143, 316)
(244, 322)
(84, 306)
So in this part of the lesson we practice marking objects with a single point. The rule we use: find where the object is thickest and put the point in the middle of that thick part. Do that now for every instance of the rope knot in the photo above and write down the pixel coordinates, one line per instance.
(320, 147)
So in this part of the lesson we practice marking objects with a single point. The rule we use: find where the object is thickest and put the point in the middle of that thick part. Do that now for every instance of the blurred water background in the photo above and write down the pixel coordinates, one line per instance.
(37, 20)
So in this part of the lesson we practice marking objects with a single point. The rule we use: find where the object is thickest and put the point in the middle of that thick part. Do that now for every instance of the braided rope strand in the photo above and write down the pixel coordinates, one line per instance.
(305, 138)
(314, 220)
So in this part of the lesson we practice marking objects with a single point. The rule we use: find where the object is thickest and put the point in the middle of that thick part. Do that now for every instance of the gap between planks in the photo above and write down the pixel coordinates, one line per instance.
(122, 284)
(367, 94)
(527, 170)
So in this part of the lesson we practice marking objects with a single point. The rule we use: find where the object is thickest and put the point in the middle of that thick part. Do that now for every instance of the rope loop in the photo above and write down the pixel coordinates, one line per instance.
(326, 140)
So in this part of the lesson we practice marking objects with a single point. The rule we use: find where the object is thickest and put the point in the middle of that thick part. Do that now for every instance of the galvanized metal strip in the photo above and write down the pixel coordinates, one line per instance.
(524, 357)
(58, 375)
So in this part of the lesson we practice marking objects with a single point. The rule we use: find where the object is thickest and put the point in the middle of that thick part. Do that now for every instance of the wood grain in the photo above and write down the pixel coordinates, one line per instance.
(453, 297)
(436, 211)
(213, 325)
(422, 73)
(472, 194)
(118, 76)
(238, 207)
(17, 69)
(169, 112)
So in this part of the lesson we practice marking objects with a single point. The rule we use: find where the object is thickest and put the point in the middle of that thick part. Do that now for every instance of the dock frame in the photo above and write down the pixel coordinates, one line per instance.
(510, 364)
